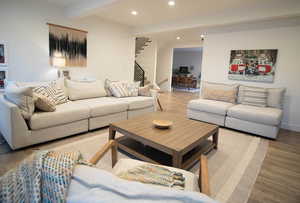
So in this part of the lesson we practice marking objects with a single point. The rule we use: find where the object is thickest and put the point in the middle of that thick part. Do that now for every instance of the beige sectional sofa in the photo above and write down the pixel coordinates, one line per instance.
(259, 120)
(69, 118)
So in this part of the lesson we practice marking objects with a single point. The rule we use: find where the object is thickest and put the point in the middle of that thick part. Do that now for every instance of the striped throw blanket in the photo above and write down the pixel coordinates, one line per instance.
(152, 174)
(43, 177)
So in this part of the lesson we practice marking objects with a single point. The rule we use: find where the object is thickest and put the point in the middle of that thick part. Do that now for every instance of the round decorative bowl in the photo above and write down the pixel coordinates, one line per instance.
(162, 124)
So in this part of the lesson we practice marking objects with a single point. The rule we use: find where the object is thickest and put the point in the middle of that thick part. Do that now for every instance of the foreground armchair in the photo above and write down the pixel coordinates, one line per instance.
(53, 176)
(202, 179)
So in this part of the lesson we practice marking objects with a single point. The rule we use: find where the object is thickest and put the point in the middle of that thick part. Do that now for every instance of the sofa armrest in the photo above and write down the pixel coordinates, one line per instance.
(12, 124)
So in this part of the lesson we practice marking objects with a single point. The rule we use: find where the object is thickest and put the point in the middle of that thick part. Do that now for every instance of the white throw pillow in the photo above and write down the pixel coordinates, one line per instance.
(85, 90)
(275, 97)
(22, 97)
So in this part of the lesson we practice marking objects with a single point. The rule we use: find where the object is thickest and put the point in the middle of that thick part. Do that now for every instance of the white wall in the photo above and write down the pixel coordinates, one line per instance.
(147, 59)
(188, 58)
(165, 61)
(23, 26)
(287, 40)
(164, 67)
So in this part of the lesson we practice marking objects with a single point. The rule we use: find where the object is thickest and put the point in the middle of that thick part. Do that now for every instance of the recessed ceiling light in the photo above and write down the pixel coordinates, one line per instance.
(171, 3)
(178, 38)
(134, 13)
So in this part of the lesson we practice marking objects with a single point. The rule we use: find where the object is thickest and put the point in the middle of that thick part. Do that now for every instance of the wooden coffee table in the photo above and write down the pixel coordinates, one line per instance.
(180, 146)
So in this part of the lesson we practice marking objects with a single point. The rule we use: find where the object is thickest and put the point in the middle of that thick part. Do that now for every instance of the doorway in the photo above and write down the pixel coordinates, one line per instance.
(186, 69)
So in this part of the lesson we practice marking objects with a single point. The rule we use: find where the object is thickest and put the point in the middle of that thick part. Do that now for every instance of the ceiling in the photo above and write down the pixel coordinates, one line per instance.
(157, 13)
(65, 3)
(153, 12)
(193, 35)
(188, 18)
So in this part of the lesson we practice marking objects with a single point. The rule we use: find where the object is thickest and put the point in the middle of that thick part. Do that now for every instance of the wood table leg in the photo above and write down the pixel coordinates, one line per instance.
(114, 154)
(159, 104)
(216, 139)
(177, 160)
(112, 133)
(114, 148)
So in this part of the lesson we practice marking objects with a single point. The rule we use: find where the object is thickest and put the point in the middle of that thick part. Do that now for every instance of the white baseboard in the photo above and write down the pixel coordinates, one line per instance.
(291, 127)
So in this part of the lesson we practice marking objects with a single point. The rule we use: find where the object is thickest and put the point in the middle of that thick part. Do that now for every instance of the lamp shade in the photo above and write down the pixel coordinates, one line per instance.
(59, 62)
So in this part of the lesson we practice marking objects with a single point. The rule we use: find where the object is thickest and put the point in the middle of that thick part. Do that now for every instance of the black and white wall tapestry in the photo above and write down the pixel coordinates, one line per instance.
(69, 44)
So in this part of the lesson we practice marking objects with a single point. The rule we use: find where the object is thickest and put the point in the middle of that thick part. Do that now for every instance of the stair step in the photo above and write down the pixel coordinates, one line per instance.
(141, 43)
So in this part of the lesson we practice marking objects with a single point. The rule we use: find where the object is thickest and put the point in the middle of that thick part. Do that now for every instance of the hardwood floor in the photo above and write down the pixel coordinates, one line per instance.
(279, 178)
(277, 182)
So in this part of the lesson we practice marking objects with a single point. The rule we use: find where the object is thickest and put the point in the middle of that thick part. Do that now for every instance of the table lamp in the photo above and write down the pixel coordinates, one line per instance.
(59, 62)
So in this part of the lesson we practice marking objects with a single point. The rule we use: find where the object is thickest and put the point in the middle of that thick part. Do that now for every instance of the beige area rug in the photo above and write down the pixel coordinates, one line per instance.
(233, 168)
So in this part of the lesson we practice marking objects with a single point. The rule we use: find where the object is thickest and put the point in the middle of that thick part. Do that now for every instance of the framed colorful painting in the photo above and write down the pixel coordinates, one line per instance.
(253, 65)
(3, 54)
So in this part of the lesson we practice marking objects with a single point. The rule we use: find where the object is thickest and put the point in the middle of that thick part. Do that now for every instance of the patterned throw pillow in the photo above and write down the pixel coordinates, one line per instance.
(254, 96)
(119, 89)
(44, 104)
(133, 88)
(124, 89)
(52, 92)
(60, 97)
(106, 87)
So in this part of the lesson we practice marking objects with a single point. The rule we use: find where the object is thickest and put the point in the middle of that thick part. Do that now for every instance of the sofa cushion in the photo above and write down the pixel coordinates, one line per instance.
(210, 106)
(219, 91)
(275, 97)
(138, 102)
(65, 113)
(104, 106)
(253, 96)
(85, 89)
(264, 115)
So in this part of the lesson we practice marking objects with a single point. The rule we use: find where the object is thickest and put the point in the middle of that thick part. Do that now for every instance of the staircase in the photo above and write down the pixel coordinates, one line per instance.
(139, 72)
(140, 44)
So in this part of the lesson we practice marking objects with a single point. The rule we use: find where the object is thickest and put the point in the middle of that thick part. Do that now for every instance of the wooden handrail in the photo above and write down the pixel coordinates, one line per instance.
(162, 82)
